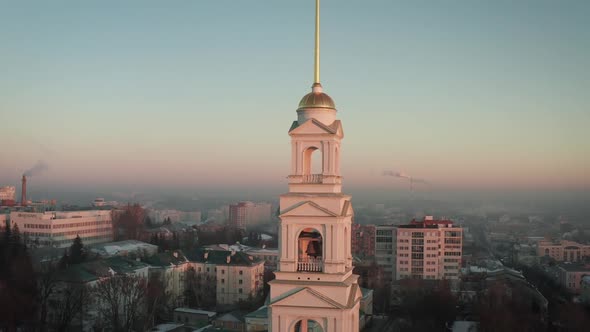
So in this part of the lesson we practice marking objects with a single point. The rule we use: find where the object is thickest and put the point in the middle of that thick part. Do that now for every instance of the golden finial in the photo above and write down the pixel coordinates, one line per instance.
(317, 42)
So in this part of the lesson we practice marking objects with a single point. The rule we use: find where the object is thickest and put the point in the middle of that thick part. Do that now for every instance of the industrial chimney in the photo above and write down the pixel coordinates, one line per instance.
(23, 198)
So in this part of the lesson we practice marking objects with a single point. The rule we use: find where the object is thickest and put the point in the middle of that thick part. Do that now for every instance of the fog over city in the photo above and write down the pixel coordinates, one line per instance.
(182, 166)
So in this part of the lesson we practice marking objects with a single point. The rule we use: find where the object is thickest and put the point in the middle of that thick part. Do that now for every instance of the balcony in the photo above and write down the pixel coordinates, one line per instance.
(312, 178)
(310, 265)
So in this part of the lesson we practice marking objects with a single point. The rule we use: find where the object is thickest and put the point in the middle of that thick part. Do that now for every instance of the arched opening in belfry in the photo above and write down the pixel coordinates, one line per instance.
(310, 251)
(313, 162)
(307, 325)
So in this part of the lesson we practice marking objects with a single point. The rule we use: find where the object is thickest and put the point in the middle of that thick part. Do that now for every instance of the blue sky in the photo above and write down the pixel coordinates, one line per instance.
(466, 94)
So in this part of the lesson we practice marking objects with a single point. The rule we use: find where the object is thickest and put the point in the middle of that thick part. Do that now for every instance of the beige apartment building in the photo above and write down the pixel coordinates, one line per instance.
(236, 275)
(429, 249)
(60, 228)
(247, 214)
(563, 250)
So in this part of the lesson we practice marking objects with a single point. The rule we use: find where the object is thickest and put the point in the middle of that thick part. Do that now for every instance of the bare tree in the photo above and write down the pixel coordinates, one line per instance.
(130, 222)
(69, 304)
(46, 285)
(121, 301)
(159, 302)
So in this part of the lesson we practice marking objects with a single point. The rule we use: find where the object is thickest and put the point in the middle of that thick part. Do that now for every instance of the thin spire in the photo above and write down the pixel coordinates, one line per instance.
(317, 43)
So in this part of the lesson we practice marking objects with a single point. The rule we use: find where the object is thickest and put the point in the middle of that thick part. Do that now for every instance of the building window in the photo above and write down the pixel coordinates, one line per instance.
(240, 291)
(241, 272)
(223, 281)
(240, 281)
(222, 271)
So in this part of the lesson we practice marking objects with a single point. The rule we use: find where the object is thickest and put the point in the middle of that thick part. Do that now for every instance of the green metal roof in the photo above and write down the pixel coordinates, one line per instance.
(219, 257)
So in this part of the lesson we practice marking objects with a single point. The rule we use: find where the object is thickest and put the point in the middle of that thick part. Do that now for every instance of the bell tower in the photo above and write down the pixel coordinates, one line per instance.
(315, 288)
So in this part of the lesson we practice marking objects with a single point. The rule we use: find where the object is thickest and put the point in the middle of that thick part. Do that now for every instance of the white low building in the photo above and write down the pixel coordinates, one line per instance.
(60, 228)
(123, 248)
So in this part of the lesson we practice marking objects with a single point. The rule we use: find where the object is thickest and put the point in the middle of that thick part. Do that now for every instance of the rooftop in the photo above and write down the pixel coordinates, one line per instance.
(236, 316)
(114, 248)
(165, 259)
(196, 311)
(575, 267)
(220, 257)
(428, 223)
(261, 312)
(90, 271)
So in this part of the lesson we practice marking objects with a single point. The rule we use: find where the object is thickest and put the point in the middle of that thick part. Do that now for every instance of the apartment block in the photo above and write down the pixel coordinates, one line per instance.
(235, 275)
(245, 214)
(429, 249)
(385, 250)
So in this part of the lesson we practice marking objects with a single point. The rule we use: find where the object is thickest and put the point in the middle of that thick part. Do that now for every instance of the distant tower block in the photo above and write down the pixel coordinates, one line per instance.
(315, 289)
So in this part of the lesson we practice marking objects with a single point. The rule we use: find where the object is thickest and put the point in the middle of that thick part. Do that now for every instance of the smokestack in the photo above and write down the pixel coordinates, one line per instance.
(23, 198)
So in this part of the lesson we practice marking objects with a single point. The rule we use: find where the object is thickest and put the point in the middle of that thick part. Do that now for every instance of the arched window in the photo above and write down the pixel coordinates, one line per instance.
(310, 251)
(307, 325)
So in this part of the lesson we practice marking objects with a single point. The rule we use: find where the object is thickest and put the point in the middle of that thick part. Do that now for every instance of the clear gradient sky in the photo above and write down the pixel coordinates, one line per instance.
(466, 94)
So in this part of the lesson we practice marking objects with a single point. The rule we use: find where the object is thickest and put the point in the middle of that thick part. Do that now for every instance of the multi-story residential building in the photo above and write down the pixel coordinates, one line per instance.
(385, 250)
(248, 213)
(270, 256)
(60, 228)
(571, 275)
(363, 240)
(429, 249)
(236, 275)
(563, 250)
(7, 193)
(170, 268)
(237, 215)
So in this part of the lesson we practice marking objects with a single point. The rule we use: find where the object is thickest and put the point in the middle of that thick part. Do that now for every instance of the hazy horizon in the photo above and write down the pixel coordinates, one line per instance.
(468, 96)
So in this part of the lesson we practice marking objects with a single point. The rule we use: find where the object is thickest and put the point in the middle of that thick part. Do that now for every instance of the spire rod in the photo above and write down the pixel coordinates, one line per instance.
(317, 43)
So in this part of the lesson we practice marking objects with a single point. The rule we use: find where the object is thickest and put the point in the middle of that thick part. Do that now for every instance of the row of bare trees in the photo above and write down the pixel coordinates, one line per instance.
(117, 303)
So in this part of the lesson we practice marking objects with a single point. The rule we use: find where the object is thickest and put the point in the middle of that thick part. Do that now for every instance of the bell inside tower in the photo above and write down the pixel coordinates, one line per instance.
(310, 251)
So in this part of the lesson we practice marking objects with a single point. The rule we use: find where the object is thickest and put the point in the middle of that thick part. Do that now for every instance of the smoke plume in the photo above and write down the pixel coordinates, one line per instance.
(404, 176)
(39, 167)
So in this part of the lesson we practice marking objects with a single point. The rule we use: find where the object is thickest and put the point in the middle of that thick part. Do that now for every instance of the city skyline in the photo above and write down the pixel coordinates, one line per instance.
(465, 96)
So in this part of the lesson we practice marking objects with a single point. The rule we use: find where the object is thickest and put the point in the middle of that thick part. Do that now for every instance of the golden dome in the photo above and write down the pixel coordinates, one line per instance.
(316, 99)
